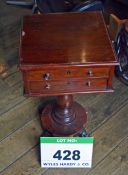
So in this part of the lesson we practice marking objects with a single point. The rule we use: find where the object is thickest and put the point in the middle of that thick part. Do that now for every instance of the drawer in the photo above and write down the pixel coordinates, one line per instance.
(60, 73)
(56, 87)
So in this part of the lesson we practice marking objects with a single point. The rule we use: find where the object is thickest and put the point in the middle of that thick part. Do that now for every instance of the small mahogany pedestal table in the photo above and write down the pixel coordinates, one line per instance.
(63, 54)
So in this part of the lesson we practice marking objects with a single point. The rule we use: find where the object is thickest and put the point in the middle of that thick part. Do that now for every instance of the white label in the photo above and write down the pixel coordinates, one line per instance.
(66, 152)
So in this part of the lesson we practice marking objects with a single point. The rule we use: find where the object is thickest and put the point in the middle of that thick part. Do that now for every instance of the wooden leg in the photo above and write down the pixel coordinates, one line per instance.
(64, 117)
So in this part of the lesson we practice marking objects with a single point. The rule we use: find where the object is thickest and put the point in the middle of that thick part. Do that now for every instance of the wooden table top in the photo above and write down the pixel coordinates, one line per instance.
(65, 38)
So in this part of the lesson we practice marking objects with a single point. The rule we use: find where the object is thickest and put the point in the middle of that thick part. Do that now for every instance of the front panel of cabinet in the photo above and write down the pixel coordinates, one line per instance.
(67, 80)
(60, 73)
(67, 86)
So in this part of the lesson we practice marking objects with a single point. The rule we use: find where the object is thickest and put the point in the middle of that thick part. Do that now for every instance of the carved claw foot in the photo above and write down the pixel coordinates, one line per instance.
(47, 133)
(83, 133)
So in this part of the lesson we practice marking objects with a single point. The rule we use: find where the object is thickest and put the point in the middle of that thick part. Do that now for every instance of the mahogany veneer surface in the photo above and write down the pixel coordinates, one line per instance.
(66, 53)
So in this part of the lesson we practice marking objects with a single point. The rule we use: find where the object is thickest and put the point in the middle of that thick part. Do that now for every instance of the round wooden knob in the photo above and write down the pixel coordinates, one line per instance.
(46, 76)
(90, 73)
(47, 86)
(88, 84)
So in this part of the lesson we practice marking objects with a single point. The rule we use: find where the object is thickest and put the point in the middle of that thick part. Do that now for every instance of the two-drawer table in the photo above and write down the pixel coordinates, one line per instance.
(63, 54)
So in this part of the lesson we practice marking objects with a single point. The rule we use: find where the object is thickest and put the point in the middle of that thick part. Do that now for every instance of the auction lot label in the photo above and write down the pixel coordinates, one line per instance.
(66, 152)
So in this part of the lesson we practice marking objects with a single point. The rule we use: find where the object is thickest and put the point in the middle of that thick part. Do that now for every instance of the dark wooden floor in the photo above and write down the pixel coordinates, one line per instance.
(19, 122)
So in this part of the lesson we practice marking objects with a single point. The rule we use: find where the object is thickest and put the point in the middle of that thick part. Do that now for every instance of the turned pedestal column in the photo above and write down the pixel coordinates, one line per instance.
(64, 117)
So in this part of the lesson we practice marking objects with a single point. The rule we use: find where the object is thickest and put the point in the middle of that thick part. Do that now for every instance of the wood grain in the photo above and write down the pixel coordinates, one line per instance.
(18, 116)
(13, 97)
(20, 142)
(65, 38)
(115, 163)
(27, 164)
(13, 79)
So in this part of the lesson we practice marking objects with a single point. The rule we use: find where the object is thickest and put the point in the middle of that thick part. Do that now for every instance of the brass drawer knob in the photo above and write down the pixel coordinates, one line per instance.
(46, 76)
(47, 86)
(88, 83)
(90, 73)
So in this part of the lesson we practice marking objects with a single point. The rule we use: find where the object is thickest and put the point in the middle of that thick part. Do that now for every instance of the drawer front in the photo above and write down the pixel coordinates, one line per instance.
(59, 74)
(56, 87)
